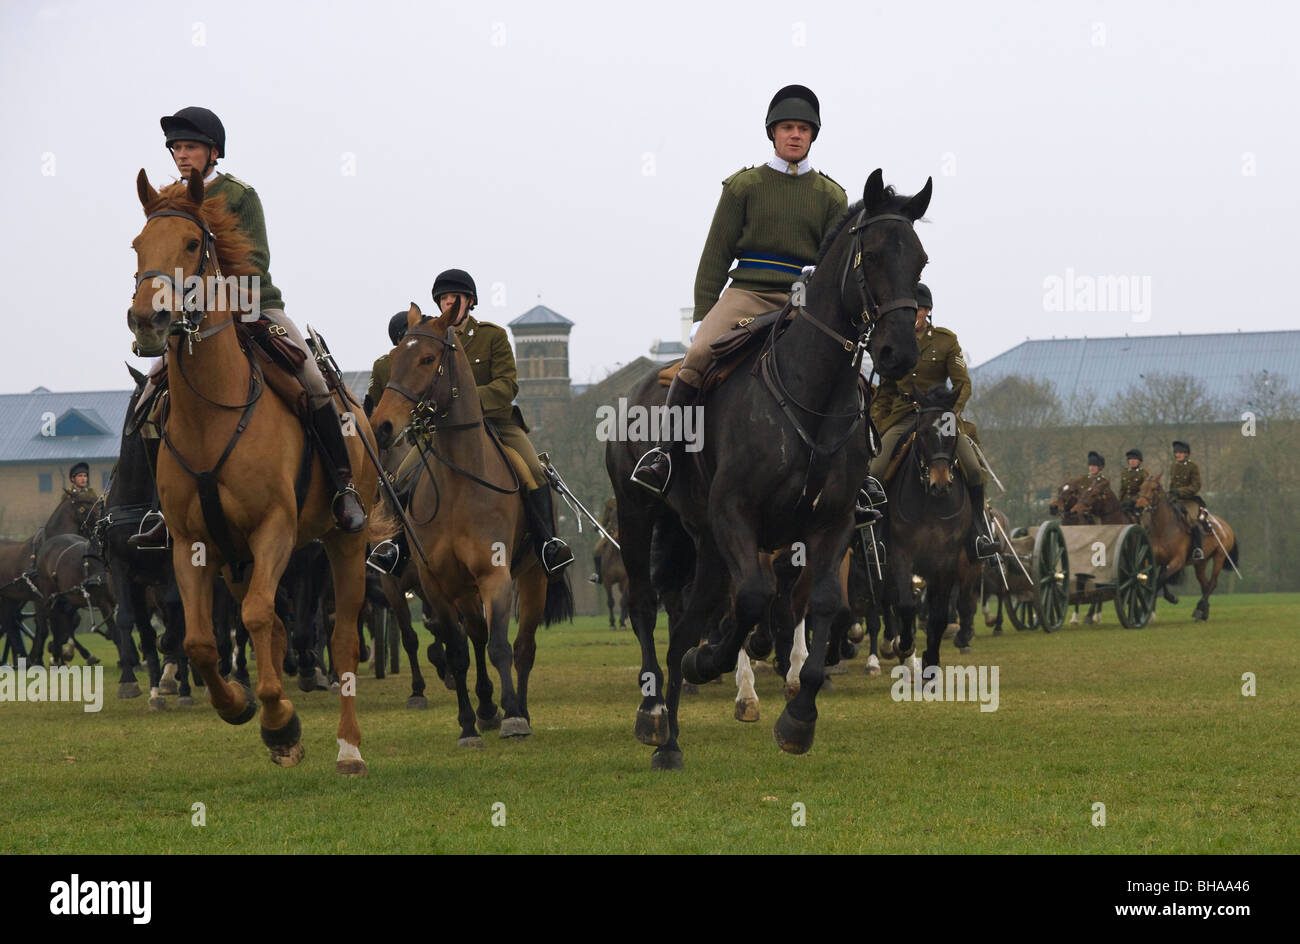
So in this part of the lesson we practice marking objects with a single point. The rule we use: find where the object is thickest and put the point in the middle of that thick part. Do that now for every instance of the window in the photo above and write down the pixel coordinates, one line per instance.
(47, 482)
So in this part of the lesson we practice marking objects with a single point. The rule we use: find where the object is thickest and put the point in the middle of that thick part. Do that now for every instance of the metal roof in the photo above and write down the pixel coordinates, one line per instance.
(1109, 366)
(23, 416)
(540, 316)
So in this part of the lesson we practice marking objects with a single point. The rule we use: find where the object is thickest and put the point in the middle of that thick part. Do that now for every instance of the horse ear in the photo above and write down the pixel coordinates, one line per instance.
(138, 377)
(142, 187)
(196, 189)
(874, 191)
(916, 207)
(413, 316)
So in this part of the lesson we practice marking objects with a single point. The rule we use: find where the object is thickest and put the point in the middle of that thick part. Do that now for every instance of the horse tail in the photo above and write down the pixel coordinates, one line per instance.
(1236, 547)
(672, 554)
(559, 602)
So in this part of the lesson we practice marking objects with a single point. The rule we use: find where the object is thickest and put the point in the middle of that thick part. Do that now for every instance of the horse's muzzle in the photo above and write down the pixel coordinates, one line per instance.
(150, 330)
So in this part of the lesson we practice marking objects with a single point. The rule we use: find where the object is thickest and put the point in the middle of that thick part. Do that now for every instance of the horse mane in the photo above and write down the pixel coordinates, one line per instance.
(234, 249)
(894, 201)
(938, 397)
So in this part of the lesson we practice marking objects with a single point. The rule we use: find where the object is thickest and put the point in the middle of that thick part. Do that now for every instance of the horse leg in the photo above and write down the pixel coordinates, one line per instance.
(123, 622)
(1202, 610)
(798, 656)
(495, 590)
(533, 588)
(195, 586)
(347, 560)
(270, 545)
(746, 697)
(703, 663)
(411, 643)
(488, 716)
(448, 629)
(652, 719)
(966, 606)
(938, 591)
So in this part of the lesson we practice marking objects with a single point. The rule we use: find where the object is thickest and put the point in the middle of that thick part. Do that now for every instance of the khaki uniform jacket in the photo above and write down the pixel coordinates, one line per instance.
(1130, 484)
(1185, 480)
(941, 359)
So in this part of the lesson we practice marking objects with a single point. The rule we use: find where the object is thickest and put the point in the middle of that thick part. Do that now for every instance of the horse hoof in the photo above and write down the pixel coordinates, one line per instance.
(758, 647)
(873, 665)
(351, 768)
(950, 630)
(888, 648)
(93, 660)
(666, 760)
(964, 650)
(285, 743)
(839, 668)
(306, 683)
(747, 710)
(185, 701)
(848, 650)
(826, 682)
(652, 726)
(418, 702)
(689, 688)
(792, 735)
(167, 684)
(474, 741)
(157, 703)
(490, 724)
(857, 633)
(516, 728)
(246, 714)
(335, 688)
(692, 671)
(128, 690)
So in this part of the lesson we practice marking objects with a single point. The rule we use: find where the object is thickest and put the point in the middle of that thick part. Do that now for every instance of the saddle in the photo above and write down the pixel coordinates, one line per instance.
(729, 348)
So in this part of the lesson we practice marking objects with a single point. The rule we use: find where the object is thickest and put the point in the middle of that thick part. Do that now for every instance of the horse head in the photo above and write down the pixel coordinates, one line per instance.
(936, 437)
(422, 374)
(181, 236)
(1150, 494)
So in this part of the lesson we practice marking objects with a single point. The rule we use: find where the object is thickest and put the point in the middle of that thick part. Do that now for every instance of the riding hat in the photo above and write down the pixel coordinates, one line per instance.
(1095, 458)
(195, 124)
(1180, 446)
(923, 297)
(794, 103)
(455, 280)
(1134, 454)
(79, 467)
(397, 326)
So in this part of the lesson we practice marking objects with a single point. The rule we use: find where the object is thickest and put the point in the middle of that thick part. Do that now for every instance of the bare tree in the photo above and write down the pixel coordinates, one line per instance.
(1015, 403)
(1162, 400)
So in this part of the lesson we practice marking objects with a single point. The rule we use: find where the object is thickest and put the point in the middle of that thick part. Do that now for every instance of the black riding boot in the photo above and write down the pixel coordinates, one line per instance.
(655, 470)
(982, 545)
(349, 515)
(1197, 537)
(554, 553)
(389, 557)
(155, 536)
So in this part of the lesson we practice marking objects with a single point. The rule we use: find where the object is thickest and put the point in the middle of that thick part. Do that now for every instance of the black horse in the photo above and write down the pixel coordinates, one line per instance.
(783, 457)
(930, 519)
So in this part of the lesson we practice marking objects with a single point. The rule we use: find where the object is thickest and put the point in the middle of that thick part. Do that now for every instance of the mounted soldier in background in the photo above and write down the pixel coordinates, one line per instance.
(608, 521)
(196, 139)
(894, 405)
(1130, 481)
(1185, 485)
(771, 220)
(79, 476)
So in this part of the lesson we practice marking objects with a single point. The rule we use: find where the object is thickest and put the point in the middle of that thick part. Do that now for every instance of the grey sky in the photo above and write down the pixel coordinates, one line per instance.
(575, 151)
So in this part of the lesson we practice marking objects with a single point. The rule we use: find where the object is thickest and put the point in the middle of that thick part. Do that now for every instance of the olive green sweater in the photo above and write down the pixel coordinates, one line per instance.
(242, 200)
(773, 224)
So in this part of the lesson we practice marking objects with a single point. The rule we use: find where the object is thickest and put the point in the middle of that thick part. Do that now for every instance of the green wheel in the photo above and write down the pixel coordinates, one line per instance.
(1022, 612)
(1051, 573)
(1135, 577)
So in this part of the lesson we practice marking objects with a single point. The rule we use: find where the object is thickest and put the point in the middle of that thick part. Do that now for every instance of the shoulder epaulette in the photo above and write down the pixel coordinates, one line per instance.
(236, 181)
(831, 179)
(728, 180)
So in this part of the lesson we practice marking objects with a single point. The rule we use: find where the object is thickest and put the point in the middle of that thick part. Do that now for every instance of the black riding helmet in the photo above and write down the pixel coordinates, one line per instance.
(923, 297)
(455, 280)
(794, 103)
(397, 326)
(194, 124)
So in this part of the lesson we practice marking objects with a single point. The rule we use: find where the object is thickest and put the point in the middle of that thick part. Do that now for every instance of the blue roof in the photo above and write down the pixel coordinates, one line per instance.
(85, 425)
(1109, 366)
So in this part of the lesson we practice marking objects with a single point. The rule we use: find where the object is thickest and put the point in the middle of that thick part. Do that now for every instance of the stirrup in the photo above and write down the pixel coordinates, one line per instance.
(385, 557)
(877, 553)
(1198, 554)
(873, 492)
(339, 510)
(985, 547)
(147, 538)
(645, 476)
(550, 551)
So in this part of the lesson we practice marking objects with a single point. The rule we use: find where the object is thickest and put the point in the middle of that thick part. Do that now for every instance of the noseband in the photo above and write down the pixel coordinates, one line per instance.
(189, 304)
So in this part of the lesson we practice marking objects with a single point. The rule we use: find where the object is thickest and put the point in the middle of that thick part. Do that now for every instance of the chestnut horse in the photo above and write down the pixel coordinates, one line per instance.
(469, 517)
(252, 447)
(1172, 543)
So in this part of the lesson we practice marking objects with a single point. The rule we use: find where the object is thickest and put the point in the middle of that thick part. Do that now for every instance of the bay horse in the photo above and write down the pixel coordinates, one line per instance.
(929, 524)
(1098, 503)
(1172, 544)
(613, 575)
(1062, 504)
(469, 517)
(782, 458)
(252, 448)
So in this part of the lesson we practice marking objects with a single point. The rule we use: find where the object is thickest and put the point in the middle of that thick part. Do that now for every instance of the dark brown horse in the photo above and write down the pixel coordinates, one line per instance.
(469, 517)
(244, 450)
(1171, 541)
(1098, 504)
(614, 575)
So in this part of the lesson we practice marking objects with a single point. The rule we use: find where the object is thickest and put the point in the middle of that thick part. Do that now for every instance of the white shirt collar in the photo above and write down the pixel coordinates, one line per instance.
(213, 176)
(784, 166)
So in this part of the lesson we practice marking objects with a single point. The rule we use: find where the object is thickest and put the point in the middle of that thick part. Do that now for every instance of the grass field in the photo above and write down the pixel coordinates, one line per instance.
(1152, 723)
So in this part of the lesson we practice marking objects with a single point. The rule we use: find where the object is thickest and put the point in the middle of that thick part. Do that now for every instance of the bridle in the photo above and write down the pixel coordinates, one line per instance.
(189, 303)
(924, 460)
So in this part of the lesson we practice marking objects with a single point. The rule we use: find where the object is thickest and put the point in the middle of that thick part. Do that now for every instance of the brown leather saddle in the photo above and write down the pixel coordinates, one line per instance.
(730, 348)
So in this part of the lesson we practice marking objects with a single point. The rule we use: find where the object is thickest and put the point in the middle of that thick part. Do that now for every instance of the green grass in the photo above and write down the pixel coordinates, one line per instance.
(1151, 722)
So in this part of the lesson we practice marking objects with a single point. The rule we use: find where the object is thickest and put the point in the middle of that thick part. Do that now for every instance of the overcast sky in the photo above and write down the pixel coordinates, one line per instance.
(573, 152)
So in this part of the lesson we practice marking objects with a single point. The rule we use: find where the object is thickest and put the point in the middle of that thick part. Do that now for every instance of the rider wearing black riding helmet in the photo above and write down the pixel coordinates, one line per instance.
(196, 139)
